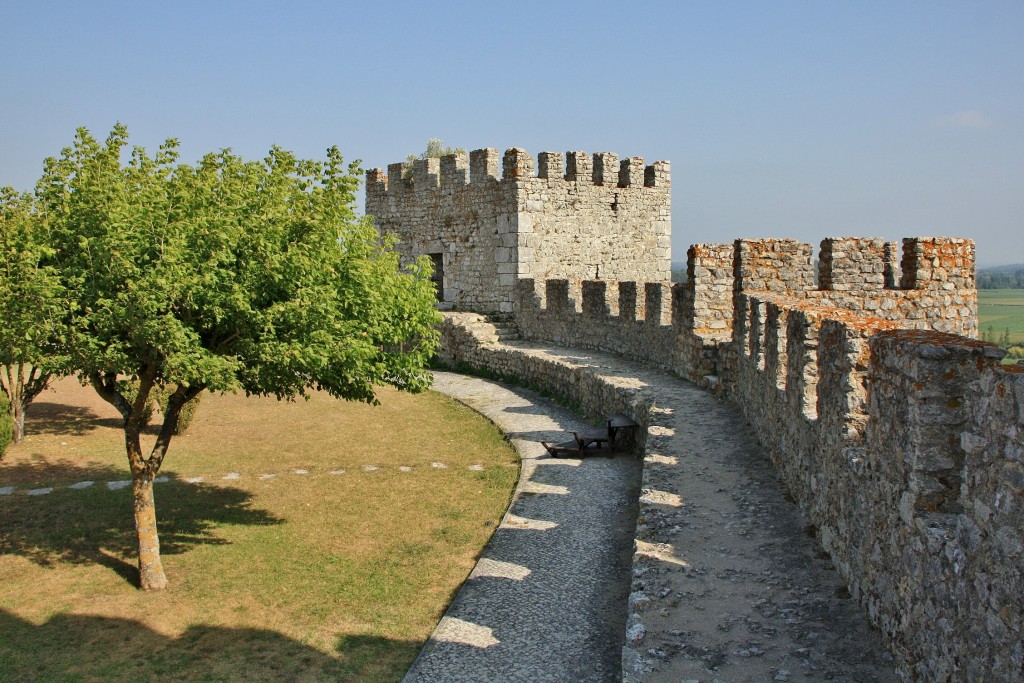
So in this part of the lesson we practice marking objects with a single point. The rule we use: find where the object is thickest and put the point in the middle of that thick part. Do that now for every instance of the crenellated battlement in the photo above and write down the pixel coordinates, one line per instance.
(900, 438)
(484, 166)
(854, 281)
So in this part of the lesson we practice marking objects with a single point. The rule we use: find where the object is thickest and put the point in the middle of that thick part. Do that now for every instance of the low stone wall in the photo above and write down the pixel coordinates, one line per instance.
(467, 339)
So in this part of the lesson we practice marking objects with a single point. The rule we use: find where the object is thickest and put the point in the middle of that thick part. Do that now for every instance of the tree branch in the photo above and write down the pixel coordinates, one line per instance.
(105, 384)
(35, 384)
(175, 402)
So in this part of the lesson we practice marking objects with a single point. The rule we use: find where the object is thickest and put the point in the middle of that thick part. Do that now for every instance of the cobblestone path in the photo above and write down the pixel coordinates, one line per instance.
(547, 601)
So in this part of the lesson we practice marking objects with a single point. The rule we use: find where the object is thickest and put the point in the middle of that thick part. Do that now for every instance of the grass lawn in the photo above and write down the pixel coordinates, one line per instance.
(312, 576)
(1002, 309)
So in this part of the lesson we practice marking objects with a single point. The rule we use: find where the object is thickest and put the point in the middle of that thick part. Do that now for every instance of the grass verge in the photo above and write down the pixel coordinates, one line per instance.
(308, 576)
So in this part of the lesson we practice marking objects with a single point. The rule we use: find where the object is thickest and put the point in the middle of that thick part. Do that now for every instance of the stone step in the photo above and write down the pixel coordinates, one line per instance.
(506, 330)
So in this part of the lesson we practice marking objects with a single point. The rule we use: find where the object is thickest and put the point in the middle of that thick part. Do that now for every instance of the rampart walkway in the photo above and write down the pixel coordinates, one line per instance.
(547, 601)
(728, 583)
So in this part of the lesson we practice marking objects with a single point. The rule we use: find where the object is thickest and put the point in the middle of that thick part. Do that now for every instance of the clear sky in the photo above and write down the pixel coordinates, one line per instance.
(781, 119)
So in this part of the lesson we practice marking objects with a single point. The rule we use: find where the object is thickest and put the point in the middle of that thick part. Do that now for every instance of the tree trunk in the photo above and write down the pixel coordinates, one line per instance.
(24, 383)
(151, 570)
(19, 421)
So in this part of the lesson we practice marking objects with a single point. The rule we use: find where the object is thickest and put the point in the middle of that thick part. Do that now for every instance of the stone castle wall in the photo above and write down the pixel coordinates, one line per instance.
(579, 216)
(687, 327)
(902, 441)
(904, 448)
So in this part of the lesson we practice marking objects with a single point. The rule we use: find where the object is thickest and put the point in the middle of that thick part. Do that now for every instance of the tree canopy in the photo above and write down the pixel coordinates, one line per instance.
(33, 303)
(224, 275)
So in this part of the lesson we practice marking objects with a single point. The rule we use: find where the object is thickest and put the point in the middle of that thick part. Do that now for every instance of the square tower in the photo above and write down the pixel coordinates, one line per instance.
(580, 216)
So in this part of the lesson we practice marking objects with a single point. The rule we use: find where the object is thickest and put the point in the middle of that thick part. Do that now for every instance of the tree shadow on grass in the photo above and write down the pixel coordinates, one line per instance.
(95, 525)
(91, 648)
(61, 419)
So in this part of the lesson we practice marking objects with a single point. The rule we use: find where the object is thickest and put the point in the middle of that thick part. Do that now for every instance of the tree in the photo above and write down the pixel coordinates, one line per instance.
(32, 304)
(222, 276)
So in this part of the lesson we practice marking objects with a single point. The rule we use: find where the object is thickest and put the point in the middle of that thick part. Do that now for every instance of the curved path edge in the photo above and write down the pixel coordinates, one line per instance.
(547, 599)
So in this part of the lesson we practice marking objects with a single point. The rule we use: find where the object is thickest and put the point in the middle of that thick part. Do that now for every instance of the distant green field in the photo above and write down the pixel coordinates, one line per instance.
(1002, 309)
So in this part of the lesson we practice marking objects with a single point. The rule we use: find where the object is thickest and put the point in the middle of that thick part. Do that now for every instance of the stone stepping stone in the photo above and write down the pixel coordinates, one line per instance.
(232, 475)
(194, 480)
(403, 468)
(118, 485)
(516, 522)
(6, 490)
(496, 569)
(78, 486)
(452, 630)
(337, 471)
(300, 471)
(476, 468)
(41, 492)
(163, 479)
(370, 468)
(268, 475)
(438, 465)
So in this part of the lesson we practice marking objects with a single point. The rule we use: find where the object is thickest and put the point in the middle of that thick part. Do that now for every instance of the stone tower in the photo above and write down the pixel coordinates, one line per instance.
(580, 216)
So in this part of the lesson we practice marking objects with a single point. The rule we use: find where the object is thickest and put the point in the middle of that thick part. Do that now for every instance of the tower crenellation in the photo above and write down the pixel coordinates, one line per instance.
(492, 220)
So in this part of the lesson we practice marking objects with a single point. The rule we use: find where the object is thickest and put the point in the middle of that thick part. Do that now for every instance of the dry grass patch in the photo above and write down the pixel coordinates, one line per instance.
(296, 577)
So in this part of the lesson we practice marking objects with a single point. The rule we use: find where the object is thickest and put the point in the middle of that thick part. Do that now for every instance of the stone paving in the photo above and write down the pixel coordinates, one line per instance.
(728, 583)
(547, 601)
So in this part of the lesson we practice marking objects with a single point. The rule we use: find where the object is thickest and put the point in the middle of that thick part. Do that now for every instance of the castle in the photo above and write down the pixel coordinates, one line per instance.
(899, 434)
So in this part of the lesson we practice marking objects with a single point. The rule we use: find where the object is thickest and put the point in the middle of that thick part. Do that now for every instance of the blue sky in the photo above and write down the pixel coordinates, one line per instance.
(781, 119)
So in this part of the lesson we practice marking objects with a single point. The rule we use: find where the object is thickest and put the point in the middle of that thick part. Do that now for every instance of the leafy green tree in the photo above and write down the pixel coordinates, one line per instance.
(221, 276)
(33, 306)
